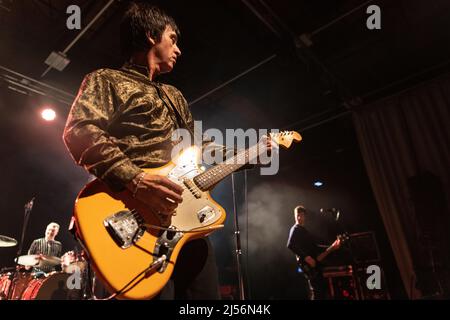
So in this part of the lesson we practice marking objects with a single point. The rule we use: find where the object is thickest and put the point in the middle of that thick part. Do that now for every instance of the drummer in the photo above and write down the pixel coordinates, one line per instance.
(47, 246)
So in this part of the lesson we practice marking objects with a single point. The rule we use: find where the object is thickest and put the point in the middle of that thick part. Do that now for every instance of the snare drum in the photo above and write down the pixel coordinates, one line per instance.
(53, 287)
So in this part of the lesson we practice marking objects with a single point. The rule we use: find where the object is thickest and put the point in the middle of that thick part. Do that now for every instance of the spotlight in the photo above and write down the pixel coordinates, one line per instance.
(318, 184)
(48, 114)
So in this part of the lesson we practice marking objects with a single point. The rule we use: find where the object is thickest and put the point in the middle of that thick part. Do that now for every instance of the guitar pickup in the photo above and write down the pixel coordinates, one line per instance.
(190, 185)
(125, 228)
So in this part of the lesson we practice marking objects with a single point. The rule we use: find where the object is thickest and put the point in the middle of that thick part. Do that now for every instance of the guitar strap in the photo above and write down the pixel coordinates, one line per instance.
(171, 105)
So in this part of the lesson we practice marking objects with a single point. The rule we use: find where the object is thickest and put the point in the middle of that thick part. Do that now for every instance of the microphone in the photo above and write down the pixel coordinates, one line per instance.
(29, 205)
(335, 213)
(327, 210)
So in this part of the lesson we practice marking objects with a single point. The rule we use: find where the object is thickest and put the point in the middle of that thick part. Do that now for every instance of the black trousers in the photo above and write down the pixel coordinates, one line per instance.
(195, 276)
(319, 288)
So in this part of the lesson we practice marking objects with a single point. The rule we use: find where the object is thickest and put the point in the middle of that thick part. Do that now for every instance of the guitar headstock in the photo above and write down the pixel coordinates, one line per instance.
(286, 138)
(344, 237)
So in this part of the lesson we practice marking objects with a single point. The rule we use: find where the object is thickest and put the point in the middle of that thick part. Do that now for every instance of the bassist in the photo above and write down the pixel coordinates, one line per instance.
(309, 255)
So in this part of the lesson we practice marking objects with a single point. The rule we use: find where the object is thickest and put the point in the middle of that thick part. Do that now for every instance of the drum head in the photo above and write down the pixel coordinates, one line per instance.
(57, 286)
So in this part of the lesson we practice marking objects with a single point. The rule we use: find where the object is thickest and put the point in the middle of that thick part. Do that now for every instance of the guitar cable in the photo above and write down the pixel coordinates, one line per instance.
(156, 263)
(152, 267)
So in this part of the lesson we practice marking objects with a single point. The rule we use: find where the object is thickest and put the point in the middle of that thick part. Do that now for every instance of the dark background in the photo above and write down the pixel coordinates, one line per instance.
(304, 89)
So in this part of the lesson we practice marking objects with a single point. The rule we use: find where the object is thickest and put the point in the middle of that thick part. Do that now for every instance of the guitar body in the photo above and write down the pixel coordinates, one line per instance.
(121, 248)
(311, 272)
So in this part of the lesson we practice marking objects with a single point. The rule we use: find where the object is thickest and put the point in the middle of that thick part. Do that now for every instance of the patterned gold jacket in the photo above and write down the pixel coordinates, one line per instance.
(121, 122)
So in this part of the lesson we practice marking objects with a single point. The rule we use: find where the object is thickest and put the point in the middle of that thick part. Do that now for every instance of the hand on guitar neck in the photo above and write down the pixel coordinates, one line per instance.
(333, 247)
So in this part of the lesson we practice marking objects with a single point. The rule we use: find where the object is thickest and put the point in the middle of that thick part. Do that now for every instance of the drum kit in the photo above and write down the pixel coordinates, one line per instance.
(24, 283)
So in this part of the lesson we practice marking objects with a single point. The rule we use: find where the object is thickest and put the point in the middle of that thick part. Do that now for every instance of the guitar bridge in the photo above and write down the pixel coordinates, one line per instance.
(206, 214)
(125, 227)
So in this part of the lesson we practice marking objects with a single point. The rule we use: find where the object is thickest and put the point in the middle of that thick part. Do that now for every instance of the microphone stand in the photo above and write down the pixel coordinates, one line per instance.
(28, 208)
(238, 244)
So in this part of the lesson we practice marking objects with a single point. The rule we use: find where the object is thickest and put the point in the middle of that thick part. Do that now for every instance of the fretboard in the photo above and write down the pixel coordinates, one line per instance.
(209, 178)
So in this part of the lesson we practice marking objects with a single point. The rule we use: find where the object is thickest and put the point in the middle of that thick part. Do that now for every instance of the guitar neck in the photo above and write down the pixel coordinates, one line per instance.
(323, 255)
(343, 237)
(206, 180)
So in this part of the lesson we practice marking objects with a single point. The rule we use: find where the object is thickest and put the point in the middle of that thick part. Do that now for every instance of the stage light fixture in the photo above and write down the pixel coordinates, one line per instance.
(318, 184)
(48, 114)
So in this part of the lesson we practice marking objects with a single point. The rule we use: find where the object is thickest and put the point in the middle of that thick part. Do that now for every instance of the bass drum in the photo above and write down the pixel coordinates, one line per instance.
(5, 284)
(54, 287)
(19, 283)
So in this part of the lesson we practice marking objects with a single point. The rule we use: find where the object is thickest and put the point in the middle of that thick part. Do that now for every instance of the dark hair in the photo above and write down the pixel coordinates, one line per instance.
(140, 19)
(299, 209)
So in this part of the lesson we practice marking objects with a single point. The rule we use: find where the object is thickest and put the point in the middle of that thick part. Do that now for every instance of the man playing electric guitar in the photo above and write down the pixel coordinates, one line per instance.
(122, 122)
(309, 254)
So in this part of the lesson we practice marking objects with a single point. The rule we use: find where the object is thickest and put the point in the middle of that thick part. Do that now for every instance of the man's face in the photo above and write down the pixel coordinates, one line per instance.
(51, 231)
(167, 51)
(301, 218)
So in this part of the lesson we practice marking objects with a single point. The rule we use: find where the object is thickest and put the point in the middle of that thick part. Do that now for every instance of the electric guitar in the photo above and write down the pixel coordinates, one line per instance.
(135, 258)
(313, 272)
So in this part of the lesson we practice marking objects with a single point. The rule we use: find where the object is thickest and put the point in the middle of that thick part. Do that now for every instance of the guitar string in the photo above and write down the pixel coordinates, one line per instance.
(136, 215)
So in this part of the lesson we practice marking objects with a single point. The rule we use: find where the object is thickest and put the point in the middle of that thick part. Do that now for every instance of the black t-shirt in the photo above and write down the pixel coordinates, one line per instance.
(302, 243)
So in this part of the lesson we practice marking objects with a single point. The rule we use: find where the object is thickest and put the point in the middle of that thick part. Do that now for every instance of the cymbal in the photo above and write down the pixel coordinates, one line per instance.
(51, 260)
(7, 242)
(34, 260)
(28, 260)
